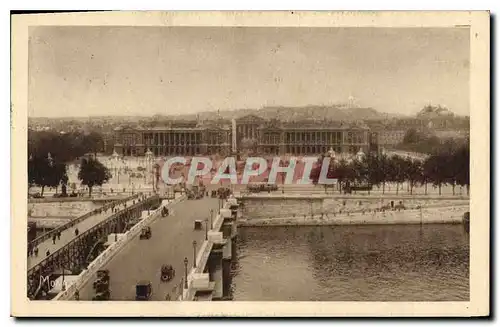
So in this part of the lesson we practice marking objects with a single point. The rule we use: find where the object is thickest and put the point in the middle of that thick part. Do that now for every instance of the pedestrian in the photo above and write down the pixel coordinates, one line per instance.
(36, 251)
(58, 235)
(77, 295)
(47, 253)
(54, 239)
(77, 232)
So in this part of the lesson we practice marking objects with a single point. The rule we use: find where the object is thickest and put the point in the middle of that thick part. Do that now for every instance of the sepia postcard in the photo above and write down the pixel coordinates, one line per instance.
(293, 164)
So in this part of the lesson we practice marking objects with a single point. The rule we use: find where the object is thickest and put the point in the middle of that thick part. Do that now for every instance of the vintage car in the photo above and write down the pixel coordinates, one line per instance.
(145, 233)
(270, 187)
(223, 192)
(198, 224)
(167, 273)
(349, 188)
(102, 292)
(102, 296)
(102, 279)
(101, 283)
(143, 290)
(254, 188)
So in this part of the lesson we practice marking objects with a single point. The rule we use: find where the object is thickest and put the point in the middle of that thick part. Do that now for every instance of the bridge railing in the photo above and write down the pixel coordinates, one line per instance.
(93, 228)
(52, 257)
(201, 261)
(73, 222)
(109, 253)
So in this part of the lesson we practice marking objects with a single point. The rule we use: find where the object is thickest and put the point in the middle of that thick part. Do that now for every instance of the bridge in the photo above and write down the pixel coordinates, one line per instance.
(210, 278)
(84, 222)
(174, 241)
(171, 242)
(74, 252)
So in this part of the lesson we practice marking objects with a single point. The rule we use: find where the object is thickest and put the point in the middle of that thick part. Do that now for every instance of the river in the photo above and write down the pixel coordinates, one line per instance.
(352, 263)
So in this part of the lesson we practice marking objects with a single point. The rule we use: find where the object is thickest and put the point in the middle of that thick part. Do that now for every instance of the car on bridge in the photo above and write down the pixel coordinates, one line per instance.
(102, 292)
(145, 233)
(167, 273)
(143, 290)
(102, 278)
(102, 296)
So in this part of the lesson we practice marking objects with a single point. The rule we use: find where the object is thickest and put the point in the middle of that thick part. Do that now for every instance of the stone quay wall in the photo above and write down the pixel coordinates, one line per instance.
(281, 207)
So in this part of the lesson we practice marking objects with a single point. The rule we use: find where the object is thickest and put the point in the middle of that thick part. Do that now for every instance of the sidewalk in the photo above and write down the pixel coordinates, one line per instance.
(67, 236)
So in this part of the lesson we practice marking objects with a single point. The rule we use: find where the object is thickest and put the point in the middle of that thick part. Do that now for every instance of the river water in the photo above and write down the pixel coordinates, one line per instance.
(352, 263)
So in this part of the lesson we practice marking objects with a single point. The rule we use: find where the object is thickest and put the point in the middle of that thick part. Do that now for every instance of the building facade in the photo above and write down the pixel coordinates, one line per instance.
(175, 139)
(250, 133)
(389, 138)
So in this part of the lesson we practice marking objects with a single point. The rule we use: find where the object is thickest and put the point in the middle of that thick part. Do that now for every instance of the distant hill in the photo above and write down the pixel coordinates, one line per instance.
(295, 113)
(286, 114)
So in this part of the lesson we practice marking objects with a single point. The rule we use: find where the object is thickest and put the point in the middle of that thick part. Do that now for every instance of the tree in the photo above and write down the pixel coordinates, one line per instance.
(44, 172)
(396, 171)
(345, 174)
(412, 136)
(64, 147)
(93, 172)
(434, 169)
(375, 170)
(93, 142)
(64, 182)
(38, 170)
(57, 175)
(413, 172)
(461, 160)
(381, 174)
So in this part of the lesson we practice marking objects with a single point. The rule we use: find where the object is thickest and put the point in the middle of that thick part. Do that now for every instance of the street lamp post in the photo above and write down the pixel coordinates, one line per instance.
(185, 273)
(206, 229)
(63, 287)
(194, 254)
(211, 218)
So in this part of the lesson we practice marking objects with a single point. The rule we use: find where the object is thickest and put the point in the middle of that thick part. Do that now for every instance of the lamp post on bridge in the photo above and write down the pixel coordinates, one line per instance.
(194, 254)
(211, 219)
(206, 229)
(185, 273)
(63, 287)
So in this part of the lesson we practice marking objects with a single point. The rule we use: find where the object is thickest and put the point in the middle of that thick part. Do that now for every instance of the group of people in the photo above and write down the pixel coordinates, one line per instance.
(56, 236)
(33, 251)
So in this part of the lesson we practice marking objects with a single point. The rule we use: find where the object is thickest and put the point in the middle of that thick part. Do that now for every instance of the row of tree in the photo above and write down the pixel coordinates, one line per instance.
(63, 147)
(445, 168)
(47, 172)
(418, 141)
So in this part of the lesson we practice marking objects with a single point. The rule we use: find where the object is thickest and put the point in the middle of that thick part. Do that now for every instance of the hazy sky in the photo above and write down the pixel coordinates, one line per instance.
(80, 71)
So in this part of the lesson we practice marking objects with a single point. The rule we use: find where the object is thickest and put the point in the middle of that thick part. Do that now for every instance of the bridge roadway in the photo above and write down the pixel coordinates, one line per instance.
(68, 235)
(171, 241)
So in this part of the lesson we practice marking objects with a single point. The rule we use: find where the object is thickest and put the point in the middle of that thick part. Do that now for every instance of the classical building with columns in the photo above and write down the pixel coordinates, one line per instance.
(302, 137)
(270, 137)
(187, 139)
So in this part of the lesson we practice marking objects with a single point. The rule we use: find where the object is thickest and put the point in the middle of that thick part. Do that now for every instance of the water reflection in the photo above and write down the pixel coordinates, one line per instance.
(352, 263)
